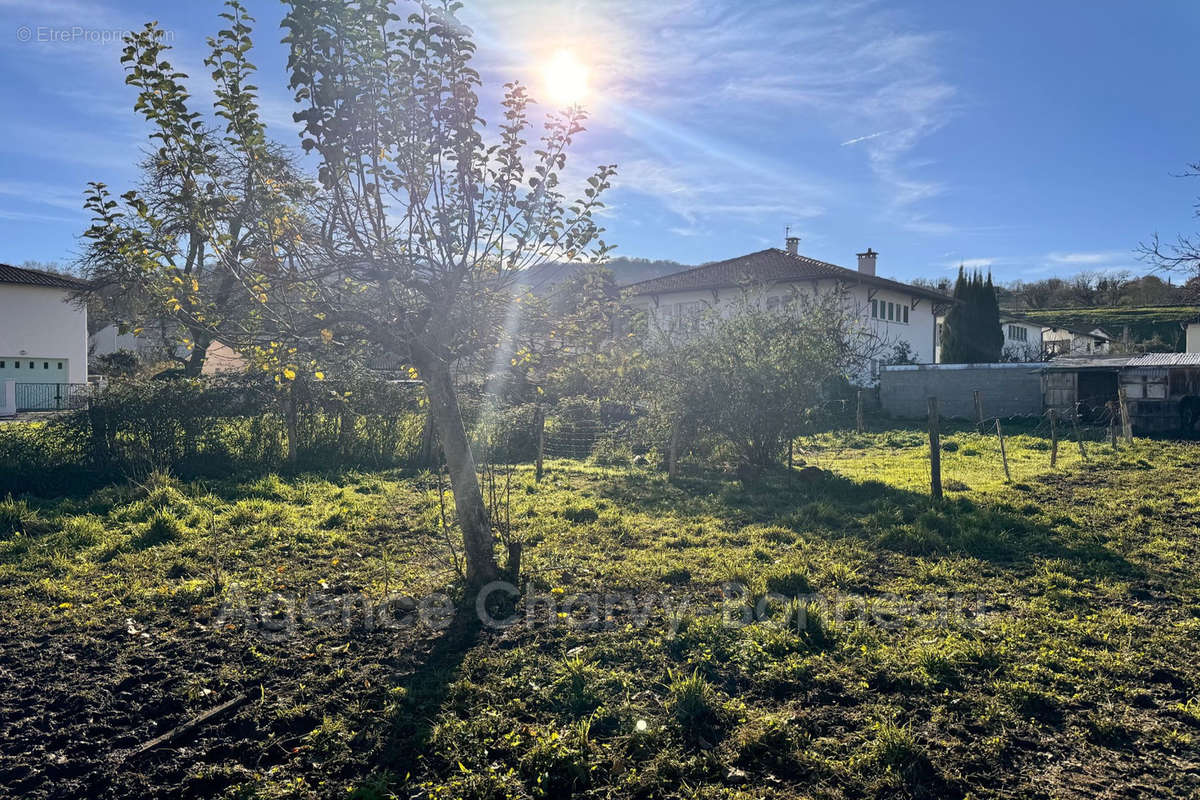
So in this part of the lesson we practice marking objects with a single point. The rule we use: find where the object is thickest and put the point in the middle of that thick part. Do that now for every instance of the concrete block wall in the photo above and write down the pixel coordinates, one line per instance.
(1008, 390)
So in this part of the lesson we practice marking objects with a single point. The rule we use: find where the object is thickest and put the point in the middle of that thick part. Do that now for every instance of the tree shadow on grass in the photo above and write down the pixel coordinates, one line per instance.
(426, 688)
(879, 515)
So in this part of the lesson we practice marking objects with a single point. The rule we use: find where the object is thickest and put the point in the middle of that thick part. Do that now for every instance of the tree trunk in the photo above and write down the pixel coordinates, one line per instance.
(464, 480)
(194, 366)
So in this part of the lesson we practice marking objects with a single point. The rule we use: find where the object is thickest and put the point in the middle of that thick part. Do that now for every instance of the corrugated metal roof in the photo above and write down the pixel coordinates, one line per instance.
(35, 277)
(1166, 360)
(1121, 362)
(1094, 362)
(769, 266)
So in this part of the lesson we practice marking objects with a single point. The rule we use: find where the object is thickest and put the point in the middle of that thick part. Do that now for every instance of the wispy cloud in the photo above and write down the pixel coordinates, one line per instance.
(866, 138)
(740, 74)
(1090, 258)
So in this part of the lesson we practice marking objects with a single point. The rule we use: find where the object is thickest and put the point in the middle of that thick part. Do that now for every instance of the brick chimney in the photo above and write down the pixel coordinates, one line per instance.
(866, 262)
(793, 245)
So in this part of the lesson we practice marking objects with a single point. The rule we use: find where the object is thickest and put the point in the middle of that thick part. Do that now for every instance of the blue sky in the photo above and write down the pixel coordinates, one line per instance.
(1033, 138)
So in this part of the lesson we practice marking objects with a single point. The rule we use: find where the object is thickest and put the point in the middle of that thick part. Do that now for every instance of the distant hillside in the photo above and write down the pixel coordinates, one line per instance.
(626, 270)
(1156, 327)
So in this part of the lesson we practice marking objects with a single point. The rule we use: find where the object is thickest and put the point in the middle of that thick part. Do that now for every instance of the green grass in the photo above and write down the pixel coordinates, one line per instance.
(1032, 638)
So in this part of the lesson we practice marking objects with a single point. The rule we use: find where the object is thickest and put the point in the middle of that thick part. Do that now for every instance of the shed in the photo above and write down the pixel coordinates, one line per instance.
(1154, 386)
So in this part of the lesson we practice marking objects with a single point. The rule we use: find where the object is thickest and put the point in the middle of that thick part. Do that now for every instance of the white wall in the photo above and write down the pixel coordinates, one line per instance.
(1193, 337)
(38, 322)
(918, 331)
(109, 340)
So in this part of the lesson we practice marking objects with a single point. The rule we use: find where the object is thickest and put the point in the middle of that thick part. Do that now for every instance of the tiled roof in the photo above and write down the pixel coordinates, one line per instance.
(35, 277)
(769, 266)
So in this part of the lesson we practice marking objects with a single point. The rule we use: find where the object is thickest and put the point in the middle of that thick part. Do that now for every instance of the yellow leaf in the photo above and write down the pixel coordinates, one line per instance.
(319, 375)
(289, 373)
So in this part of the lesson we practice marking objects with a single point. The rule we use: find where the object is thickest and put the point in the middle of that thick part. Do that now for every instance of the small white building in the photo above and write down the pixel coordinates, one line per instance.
(1070, 342)
(896, 312)
(43, 329)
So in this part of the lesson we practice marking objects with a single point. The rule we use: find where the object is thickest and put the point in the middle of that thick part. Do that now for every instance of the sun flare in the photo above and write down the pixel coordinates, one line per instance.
(566, 79)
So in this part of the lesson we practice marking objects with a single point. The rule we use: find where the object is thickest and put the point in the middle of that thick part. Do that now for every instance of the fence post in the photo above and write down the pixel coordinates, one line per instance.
(1078, 436)
(1053, 438)
(1126, 426)
(978, 408)
(98, 417)
(292, 414)
(347, 431)
(673, 452)
(858, 417)
(935, 451)
(1003, 452)
(539, 422)
(1112, 423)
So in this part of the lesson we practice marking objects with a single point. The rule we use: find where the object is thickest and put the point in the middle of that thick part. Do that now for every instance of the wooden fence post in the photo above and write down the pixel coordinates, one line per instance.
(1053, 438)
(292, 413)
(1078, 436)
(673, 452)
(978, 408)
(858, 417)
(935, 451)
(1126, 426)
(1003, 453)
(1112, 423)
(539, 421)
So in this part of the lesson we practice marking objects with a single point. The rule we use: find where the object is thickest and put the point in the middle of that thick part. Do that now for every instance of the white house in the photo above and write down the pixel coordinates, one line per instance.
(1070, 342)
(896, 312)
(43, 332)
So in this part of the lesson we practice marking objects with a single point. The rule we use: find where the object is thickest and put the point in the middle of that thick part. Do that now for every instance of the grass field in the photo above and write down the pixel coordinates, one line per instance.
(1142, 324)
(1028, 639)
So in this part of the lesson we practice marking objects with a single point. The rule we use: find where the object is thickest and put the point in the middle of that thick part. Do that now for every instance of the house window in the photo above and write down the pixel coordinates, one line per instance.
(874, 309)
(59, 365)
(905, 315)
(1018, 333)
(31, 365)
(1, 365)
(45, 365)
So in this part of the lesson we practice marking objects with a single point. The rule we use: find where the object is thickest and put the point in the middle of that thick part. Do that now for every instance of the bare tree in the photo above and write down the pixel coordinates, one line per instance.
(1181, 256)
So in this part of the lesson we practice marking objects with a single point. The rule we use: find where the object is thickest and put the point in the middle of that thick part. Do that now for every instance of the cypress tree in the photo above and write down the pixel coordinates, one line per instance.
(971, 332)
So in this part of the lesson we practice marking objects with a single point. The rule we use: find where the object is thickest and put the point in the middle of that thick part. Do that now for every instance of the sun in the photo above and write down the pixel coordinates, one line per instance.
(566, 79)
